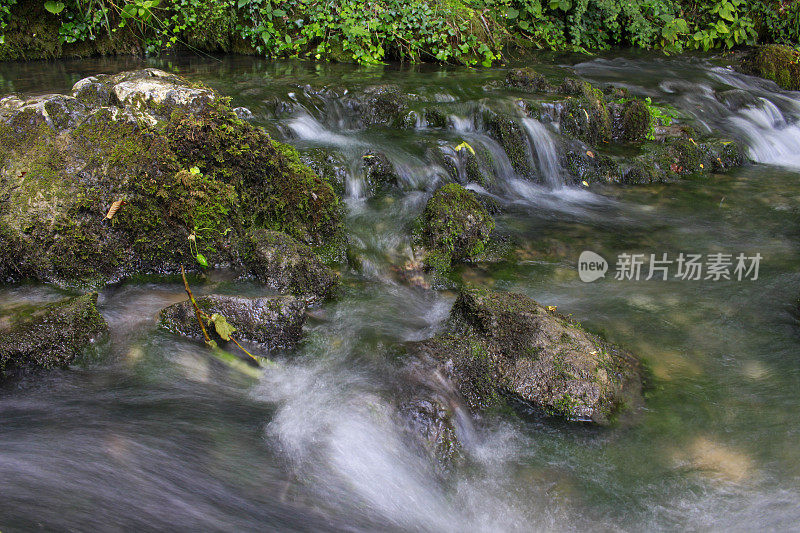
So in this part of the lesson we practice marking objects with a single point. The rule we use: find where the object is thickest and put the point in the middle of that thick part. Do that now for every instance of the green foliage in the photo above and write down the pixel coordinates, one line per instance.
(368, 32)
(658, 115)
(728, 24)
(5, 15)
(222, 326)
(469, 32)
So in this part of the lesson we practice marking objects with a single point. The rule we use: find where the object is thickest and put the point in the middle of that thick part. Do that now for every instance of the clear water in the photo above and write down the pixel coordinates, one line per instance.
(154, 433)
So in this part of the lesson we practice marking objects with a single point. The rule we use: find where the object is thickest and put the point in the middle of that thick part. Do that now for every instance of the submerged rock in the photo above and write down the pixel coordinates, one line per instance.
(52, 337)
(455, 227)
(379, 173)
(776, 62)
(430, 423)
(276, 321)
(498, 343)
(173, 157)
(383, 104)
(527, 79)
(287, 265)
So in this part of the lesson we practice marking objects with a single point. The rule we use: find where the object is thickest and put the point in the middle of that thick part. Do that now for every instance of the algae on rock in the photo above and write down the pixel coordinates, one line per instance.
(177, 155)
(52, 337)
(498, 343)
(455, 226)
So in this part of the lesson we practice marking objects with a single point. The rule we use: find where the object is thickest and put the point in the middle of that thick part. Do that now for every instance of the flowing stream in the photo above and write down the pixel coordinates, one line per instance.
(154, 433)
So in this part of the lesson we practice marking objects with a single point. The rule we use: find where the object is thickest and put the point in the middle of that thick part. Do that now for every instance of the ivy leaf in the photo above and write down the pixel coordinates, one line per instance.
(202, 260)
(54, 7)
(512, 13)
(224, 329)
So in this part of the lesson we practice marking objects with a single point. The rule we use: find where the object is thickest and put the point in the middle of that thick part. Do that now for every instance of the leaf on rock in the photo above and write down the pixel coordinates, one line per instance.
(224, 329)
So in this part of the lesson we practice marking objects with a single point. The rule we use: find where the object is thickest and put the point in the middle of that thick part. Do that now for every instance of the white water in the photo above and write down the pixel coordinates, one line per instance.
(546, 152)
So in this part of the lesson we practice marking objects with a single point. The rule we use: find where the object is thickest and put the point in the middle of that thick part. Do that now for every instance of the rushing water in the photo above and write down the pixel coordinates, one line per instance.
(154, 433)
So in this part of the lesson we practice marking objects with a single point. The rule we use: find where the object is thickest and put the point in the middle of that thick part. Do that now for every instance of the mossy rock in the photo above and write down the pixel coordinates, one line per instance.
(383, 104)
(455, 226)
(664, 161)
(380, 175)
(498, 343)
(275, 322)
(328, 165)
(633, 122)
(776, 62)
(178, 157)
(287, 265)
(507, 131)
(587, 117)
(528, 80)
(51, 337)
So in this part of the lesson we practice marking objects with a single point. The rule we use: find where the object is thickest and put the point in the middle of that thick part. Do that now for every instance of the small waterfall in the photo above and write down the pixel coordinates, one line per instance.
(544, 147)
(307, 128)
(770, 137)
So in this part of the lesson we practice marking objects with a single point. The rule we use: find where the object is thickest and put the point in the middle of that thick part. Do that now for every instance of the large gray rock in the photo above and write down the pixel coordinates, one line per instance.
(52, 336)
(500, 343)
(276, 322)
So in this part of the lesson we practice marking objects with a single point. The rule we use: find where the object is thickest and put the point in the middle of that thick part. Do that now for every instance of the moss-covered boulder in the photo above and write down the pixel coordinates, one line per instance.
(51, 337)
(527, 79)
(379, 173)
(455, 226)
(586, 117)
(285, 264)
(632, 121)
(498, 343)
(776, 62)
(276, 322)
(508, 133)
(172, 159)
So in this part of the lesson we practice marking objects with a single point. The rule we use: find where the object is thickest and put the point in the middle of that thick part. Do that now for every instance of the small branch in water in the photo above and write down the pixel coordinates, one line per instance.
(197, 311)
(200, 315)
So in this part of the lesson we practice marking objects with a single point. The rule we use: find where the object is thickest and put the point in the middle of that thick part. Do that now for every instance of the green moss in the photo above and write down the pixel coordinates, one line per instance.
(514, 142)
(775, 62)
(60, 184)
(587, 117)
(455, 226)
(635, 121)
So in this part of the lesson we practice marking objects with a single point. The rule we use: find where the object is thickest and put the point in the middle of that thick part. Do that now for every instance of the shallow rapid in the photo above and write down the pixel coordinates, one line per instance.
(154, 432)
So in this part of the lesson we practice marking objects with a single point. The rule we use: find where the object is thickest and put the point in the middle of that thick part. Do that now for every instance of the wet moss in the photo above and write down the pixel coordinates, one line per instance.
(634, 123)
(455, 226)
(51, 337)
(776, 62)
(59, 184)
(587, 117)
(507, 132)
